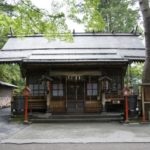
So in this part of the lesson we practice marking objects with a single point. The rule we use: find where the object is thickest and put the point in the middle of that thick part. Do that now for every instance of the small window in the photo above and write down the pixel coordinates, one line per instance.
(57, 90)
(37, 89)
(92, 89)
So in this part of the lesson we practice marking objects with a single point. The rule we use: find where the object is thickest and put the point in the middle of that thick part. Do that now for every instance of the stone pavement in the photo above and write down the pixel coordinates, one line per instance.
(88, 146)
(81, 133)
(8, 128)
(74, 133)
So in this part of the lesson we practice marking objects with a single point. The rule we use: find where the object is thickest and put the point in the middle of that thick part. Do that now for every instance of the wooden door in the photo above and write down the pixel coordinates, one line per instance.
(75, 98)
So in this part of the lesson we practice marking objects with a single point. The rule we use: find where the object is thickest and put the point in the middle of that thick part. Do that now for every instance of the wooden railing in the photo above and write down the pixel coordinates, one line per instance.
(57, 106)
(37, 103)
(93, 106)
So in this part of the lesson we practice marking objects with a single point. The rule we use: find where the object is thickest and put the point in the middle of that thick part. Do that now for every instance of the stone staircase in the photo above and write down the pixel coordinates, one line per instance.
(102, 117)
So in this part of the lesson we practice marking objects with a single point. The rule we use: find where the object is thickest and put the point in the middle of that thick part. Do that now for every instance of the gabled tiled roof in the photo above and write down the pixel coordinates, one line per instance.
(99, 47)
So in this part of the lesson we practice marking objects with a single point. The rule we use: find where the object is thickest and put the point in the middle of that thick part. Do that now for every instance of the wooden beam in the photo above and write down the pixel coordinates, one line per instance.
(75, 73)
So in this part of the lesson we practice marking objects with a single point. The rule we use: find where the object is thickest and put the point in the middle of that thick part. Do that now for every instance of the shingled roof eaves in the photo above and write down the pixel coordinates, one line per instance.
(86, 46)
(74, 57)
(75, 54)
(6, 60)
(71, 48)
(136, 58)
(7, 84)
(73, 61)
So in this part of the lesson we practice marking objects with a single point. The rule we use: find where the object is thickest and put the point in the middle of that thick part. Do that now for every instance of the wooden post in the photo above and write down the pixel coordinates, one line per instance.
(126, 109)
(26, 93)
(143, 106)
(48, 96)
(84, 96)
(26, 110)
(126, 93)
(66, 93)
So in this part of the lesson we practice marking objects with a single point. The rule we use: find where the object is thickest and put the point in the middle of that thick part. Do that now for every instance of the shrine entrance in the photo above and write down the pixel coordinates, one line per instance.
(75, 98)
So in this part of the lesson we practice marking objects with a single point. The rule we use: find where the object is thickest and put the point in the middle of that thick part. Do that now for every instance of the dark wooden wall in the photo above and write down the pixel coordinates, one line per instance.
(91, 103)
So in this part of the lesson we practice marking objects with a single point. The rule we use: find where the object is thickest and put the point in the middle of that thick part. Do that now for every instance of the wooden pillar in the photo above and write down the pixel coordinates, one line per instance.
(84, 96)
(126, 109)
(145, 102)
(143, 106)
(126, 93)
(48, 96)
(26, 93)
(26, 110)
(103, 100)
(66, 92)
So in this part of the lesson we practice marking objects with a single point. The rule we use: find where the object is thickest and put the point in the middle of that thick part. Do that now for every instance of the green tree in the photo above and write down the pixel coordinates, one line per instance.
(145, 9)
(22, 19)
(86, 12)
(118, 15)
(104, 15)
(134, 75)
(4, 9)
(27, 19)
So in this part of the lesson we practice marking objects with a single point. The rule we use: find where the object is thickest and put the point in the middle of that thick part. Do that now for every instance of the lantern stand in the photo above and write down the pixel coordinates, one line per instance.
(48, 81)
(126, 93)
(105, 86)
(26, 93)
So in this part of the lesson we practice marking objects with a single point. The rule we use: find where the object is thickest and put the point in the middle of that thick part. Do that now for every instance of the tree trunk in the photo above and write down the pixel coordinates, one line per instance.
(144, 5)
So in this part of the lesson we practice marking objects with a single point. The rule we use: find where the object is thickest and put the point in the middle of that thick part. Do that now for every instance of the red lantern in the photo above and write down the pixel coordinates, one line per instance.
(26, 91)
(126, 91)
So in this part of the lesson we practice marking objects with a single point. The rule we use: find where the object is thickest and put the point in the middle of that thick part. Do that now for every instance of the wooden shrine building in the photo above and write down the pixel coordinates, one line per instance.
(83, 76)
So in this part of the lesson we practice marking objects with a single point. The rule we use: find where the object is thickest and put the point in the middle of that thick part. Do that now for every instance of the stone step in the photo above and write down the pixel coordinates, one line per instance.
(76, 116)
(73, 120)
(83, 116)
(102, 117)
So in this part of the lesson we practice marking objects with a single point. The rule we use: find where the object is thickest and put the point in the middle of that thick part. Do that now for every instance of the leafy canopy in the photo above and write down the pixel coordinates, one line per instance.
(23, 18)
(119, 15)
(104, 15)
(86, 12)
(134, 75)
(27, 19)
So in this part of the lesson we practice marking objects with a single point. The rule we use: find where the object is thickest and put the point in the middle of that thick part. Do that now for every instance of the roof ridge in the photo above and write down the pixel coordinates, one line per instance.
(81, 34)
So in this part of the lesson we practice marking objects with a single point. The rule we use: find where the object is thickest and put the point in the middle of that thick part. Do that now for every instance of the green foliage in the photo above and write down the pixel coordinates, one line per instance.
(134, 75)
(118, 15)
(86, 12)
(26, 19)
(104, 15)
(11, 73)
(4, 7)
(22, 19)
